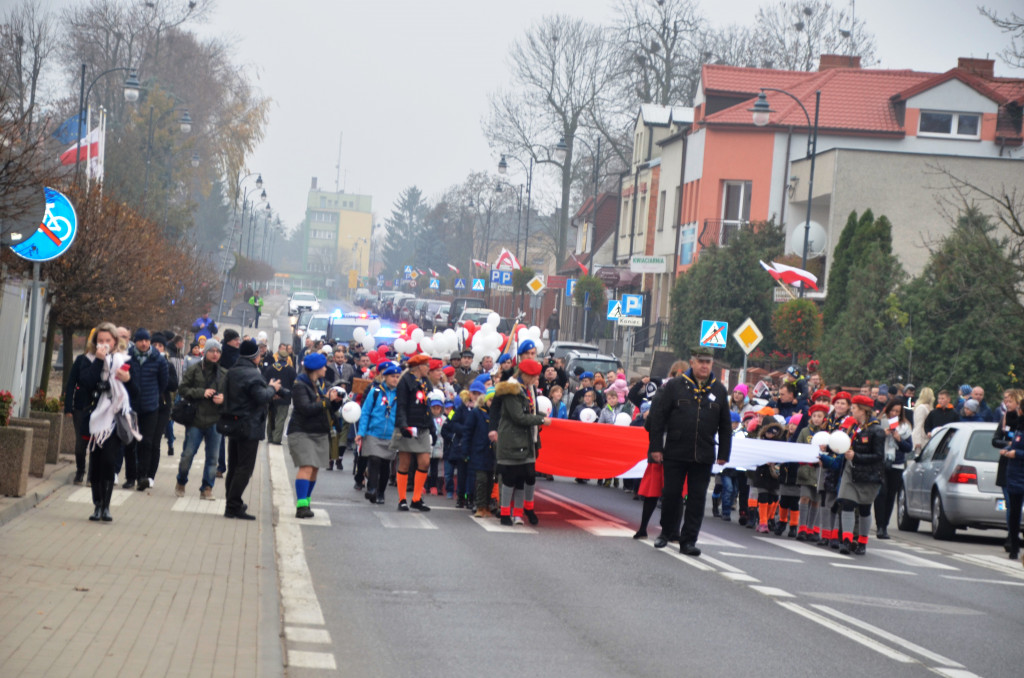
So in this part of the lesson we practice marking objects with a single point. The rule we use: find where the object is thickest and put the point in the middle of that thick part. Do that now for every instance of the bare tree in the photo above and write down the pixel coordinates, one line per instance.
(792, 34)
(27, 43)
(560, 69)
(1013, 24)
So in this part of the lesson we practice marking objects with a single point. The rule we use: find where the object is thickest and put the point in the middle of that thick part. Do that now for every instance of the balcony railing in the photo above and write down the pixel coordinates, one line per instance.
(718, 232)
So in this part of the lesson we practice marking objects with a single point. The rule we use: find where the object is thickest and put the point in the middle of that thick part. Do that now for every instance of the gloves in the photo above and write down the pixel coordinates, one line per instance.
(406, 432)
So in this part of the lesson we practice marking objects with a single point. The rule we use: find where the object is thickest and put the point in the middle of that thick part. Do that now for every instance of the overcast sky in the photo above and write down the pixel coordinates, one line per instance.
(407, 81)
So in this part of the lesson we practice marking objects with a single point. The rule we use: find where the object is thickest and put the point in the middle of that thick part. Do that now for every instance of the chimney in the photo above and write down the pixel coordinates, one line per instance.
(313, 186)
(984, 68)
(830, 61)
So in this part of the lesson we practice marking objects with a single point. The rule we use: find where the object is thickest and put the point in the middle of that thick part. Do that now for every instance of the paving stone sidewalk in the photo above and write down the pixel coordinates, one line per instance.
(169, 588)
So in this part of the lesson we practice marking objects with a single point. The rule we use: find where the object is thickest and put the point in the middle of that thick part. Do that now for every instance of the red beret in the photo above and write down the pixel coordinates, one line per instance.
(842, 395)
(821, 393)
(820, 407)
(863, 401)
(530, 367)
(418, 359)
(449, 371)
(435, 364)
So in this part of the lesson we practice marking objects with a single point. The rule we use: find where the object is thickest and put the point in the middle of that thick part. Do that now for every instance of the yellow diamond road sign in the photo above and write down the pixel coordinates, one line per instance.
(536, 284)
(748, 336)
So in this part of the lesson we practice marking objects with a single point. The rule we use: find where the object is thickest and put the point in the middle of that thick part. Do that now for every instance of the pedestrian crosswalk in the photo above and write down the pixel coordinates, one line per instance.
(83, 495)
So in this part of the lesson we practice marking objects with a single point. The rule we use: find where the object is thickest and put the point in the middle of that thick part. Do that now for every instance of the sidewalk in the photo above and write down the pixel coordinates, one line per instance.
(170, 588)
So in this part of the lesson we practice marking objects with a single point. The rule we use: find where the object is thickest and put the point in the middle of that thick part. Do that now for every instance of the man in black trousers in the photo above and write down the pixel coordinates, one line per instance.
(686, 415)
(247, 395)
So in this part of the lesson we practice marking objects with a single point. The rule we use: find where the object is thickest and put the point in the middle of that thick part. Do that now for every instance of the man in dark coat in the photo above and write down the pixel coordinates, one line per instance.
(686, 415)
(247, 395)
(280, 368)
(143, 458)
(228, 358)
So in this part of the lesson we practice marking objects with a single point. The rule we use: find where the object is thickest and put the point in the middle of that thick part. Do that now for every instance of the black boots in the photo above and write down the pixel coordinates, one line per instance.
(716, 503)
(108, 491)
(96, 515)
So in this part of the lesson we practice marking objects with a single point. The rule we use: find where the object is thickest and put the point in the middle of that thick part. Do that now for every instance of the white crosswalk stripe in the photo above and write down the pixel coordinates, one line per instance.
(405, 521)
(912, 560)
(83, 495)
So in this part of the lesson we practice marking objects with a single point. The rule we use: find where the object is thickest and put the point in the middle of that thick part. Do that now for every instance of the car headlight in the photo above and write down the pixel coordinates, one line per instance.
(299, 333)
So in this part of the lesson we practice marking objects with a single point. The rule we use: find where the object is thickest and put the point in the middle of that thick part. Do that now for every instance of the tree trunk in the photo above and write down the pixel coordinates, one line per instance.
(563, 217)
(51, 332)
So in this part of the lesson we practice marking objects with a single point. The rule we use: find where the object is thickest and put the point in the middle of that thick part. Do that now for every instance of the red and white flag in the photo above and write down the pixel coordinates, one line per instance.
(457, 272)
(507, 259)
(479, 264)
(90, 148)
(433, 273)
(790, 275)
(579, 263)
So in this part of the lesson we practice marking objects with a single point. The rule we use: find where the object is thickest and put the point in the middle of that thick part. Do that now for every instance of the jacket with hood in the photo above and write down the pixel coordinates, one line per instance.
(518, 438)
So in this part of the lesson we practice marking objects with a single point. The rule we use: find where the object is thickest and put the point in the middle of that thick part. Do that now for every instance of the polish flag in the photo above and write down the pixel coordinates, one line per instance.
(90, 148)
(506, 258)
(454, 269)
(480, 264)
(797, 277)
(433, 273)
(580, 264)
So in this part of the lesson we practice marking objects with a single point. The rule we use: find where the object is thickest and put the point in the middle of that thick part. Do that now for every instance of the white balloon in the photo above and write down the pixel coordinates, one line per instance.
(492, 320)
(522, 335)
(351, 412)
(450, 334)
(373, 327)
(427, 344)
(839, 442)
(534, 333)
(368, 343)
(359, 333)
(544, 405)
(417, 335)
(820, 438)
(623, 419)
(589, 416)
(544, 335)
(462, 334)
(540, 346)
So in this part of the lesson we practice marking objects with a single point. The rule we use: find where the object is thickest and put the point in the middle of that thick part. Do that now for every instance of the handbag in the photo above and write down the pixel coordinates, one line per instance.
(127, 425)
(184, 411)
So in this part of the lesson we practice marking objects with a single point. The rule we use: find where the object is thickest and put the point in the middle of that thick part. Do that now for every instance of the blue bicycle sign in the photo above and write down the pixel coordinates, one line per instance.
(55, 233)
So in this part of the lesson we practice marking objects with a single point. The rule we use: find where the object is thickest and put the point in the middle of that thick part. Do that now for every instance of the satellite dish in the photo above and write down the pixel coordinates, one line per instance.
(818, 240)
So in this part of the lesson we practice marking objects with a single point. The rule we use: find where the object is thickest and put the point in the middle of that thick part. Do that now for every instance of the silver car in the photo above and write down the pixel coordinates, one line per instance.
(952, 482)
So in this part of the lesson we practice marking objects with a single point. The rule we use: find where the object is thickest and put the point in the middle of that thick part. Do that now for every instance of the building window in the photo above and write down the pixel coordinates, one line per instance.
(661, 211)
(321, 235)
(687, 238)
(735, 208)
(624, 225)
(323, 201)
(959, 125)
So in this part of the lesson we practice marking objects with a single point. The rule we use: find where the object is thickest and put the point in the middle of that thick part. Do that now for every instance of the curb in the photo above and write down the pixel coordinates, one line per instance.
(40, 493)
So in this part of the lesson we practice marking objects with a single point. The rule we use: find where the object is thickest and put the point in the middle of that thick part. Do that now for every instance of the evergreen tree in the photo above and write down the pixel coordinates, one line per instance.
(966, 328)
(845, 256)
(404, 228)
(727, 284)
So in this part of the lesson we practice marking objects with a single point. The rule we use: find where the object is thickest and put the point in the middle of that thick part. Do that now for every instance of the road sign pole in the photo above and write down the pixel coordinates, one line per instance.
(32, 357)
(743, 371)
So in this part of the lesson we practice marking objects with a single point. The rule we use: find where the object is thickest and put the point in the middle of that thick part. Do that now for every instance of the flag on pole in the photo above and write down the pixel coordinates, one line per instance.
(580, 264)
(457, 272)
(790, 275)
(68, 130)
(480, 264)
(433, 273)
(508, 259)
(90, 148)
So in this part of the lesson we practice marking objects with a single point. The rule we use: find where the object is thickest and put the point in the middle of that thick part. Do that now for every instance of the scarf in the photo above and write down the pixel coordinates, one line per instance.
(113, 403)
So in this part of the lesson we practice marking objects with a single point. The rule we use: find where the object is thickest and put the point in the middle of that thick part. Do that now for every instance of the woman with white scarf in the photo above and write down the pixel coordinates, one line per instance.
(108, 380)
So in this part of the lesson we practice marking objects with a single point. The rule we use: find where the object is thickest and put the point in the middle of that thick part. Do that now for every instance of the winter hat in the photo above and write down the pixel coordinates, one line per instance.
(752, 425)
(455, 357)
(619, 386)
(734, 416)
(250, 349)
(314, 361)
(820, 407)
(965, 390)
(212, 345)
(230, 335)
(781, 419)
(971, 405)
(587, 375)
(479, 385)
(883, 391)
(159, 338)
(742, 388)
(864, 401)
(435, 364)
(449, 371)
(795, 419)
(143, 334)
(530, 367)
(909, 387)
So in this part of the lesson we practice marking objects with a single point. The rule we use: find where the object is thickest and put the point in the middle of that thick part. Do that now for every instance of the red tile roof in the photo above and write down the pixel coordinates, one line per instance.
(971, 80)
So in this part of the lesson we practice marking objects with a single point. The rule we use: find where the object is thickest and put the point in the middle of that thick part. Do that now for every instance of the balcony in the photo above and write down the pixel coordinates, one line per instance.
(718, 232)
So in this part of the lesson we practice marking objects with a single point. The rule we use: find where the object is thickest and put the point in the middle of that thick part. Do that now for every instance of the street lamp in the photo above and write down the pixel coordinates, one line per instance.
(503, 169)
(195, 160)
(185, 124)
(761, 115)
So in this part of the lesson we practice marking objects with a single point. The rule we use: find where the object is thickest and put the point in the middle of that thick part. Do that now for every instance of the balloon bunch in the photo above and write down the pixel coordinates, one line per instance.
(364, 335)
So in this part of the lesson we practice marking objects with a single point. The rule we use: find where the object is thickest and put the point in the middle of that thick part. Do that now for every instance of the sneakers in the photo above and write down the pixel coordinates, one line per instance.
(419, 506)
(763, 529)
(482, 513)
(79, 477)
(860, 549)
(516, 520)
(531, 515)
(207, 494)
(303, 512)
(179, 490)
(403, 505)
(358, 485)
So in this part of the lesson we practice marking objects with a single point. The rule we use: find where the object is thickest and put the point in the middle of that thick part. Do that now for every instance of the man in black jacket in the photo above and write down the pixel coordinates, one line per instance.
(281, 369)
(247, 395)
(228, 358)
(686, 415)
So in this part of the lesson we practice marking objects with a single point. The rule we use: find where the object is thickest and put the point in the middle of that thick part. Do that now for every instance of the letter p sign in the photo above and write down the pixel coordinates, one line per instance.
(632, 304)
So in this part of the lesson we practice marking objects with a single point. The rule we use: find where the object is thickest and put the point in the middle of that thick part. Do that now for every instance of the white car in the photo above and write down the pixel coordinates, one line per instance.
(300, 301)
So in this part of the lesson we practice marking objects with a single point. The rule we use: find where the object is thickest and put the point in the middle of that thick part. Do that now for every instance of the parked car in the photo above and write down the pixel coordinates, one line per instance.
(952, 482)
(362, 297)
(383, 297)
(439, 321)
(405, 310)
(300, 301)
(576, 363)
(477, 315)
(392, 307)
(558, 349)
(460, 304)
(419, 312)
(299, 330)
(428, 316)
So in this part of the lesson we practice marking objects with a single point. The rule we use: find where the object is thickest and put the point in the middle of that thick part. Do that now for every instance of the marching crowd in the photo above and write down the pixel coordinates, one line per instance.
(471, 430)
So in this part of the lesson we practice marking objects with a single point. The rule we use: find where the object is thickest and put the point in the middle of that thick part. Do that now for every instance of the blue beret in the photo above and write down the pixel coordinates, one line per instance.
(587, 375)
(385, 368)
(478, 385)
(436, 402)
(735, 416)
(314, 361)
(449, 403)
(504, 358)
(526, 346)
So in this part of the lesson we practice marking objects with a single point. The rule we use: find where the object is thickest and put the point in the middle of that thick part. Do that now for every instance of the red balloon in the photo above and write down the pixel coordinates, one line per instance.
(470, 326)
(372, 355)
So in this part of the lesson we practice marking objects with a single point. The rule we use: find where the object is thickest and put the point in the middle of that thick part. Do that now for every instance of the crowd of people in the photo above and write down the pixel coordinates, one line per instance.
(470, 430)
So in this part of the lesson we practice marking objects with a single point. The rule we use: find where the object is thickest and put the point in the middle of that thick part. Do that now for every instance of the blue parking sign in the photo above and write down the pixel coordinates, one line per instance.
(632, 304)
(570, 287)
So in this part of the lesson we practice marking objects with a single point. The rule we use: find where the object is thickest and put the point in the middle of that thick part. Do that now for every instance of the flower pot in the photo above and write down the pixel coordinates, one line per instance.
(15, 458)
(40, 442)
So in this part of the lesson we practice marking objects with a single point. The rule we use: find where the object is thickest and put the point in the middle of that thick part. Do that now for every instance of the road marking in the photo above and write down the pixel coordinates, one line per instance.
(772, 591)
(954, 673)
(708, 539)
(83, 495)
(600, 528)
(1000, 564)
(404, 520)
(855, 636)
(916, 549)
(311, 660)
(755, 556)
(197, 505)
(689, 560)
(577, 507)
(912, 560)
(797, 547)
(298, 634)
(722, 565)
(495, 526)
(850, 566)
(984, 581)
(320, 518)
(740, 576)
(881, 633)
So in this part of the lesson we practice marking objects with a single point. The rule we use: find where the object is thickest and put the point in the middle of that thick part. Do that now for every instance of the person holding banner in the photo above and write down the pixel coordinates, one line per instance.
(682, 425)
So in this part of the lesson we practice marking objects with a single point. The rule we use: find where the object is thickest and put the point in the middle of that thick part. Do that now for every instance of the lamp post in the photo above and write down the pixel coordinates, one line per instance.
(503, 169)
(245, 199)
(131, 95)
(761, 115)
(184, 124)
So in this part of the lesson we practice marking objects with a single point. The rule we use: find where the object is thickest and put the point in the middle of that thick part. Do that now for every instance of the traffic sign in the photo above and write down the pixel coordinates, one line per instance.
(460, 283)
(614, 309)
(478, 284)
(536, 284)
(397, 282)
(380, 278)
(713, 333)
(414, 274)
(412, 283)
(633, 304)
(631, 321)
(54, 234)
(435, 284)
(408, 269)
(748, 336)
(501, 277)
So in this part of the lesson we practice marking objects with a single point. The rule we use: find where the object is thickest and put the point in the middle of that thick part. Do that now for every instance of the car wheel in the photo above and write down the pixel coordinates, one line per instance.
(903, 520)
(941, 527)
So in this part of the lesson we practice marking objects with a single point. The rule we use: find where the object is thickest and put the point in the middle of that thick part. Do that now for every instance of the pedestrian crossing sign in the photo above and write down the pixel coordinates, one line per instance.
(614, 309)
(460, 283)
(478, 284)
(435, 284)
(713, 333)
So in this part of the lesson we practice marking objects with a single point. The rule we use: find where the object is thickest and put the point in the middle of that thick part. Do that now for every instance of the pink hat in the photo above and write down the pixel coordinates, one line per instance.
(742, 388)
(619, 386)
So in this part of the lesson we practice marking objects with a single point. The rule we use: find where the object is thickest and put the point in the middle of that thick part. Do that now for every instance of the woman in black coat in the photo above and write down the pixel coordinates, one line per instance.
(862, 474)
(313, 411)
